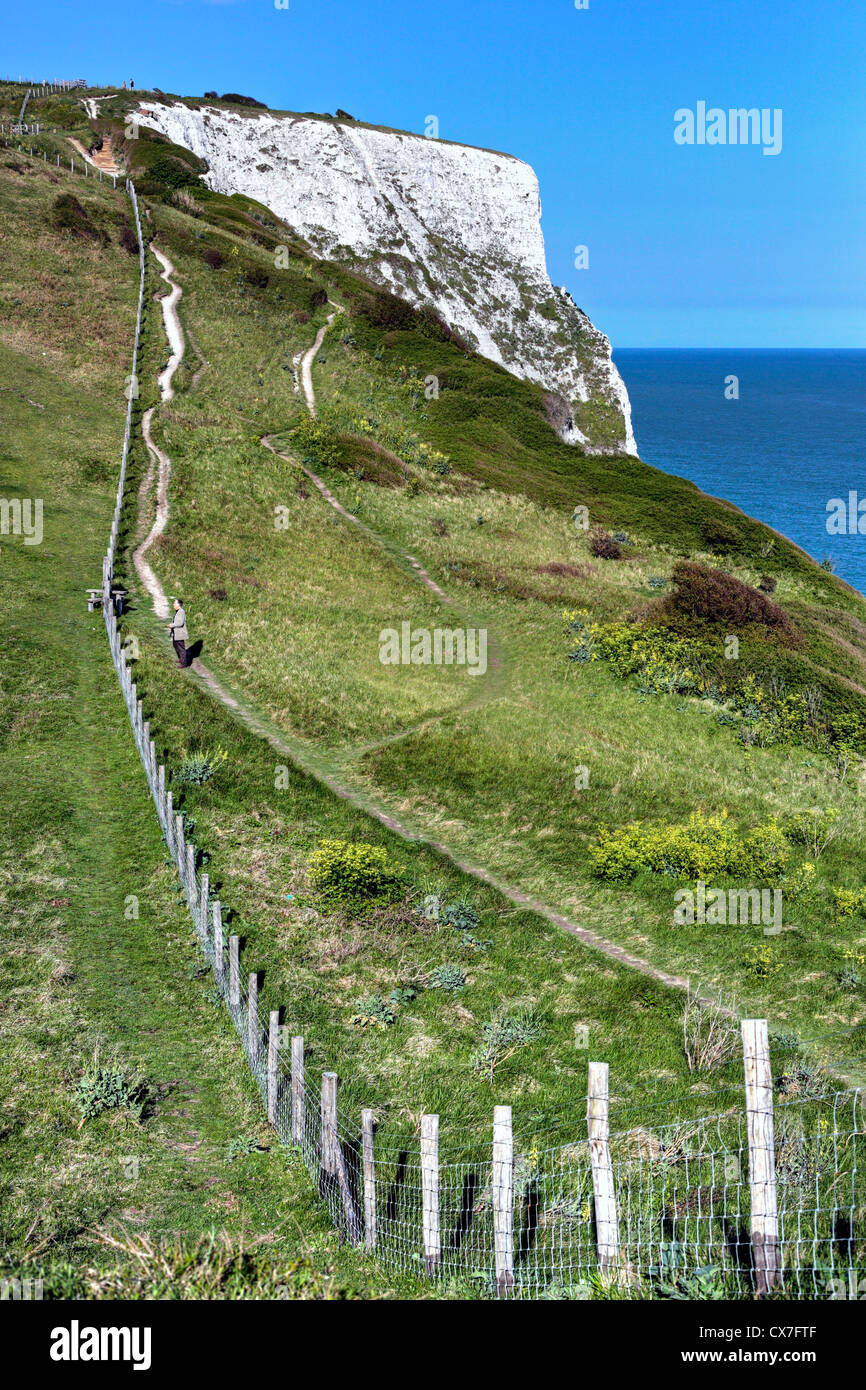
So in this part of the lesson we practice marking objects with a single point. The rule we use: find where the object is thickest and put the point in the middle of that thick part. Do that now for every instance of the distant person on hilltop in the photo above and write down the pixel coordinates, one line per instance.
(179, 634)
(131, 85)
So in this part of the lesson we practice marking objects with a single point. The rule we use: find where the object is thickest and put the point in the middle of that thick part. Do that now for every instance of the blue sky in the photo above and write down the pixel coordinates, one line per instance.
(689, 245)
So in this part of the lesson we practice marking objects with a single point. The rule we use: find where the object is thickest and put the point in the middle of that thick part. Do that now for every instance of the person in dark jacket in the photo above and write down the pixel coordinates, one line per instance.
(179, 633)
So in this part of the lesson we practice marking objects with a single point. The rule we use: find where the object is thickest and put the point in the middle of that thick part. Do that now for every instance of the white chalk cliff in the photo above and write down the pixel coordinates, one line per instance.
(437, 223)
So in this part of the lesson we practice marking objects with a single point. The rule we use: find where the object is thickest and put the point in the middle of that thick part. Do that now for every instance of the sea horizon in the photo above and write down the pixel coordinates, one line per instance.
(776, 431)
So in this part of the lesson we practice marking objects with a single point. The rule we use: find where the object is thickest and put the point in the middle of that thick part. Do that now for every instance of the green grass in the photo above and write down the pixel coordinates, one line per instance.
(295, 637)
(81, 853)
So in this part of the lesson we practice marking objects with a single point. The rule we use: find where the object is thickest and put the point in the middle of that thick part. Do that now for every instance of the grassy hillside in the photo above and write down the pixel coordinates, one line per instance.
(477, 487)
(618, 667)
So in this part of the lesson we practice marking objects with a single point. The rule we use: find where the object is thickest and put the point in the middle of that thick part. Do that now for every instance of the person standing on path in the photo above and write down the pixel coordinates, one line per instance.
(179, 633)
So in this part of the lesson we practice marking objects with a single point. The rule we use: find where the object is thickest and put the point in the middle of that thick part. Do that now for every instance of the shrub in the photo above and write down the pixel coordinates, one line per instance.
(239, 100)
(68, 215)
(213, 258)
(760, 963)
(712, 596)
(718, 536)
(385, 310)
(317, 442)
(344, 869)
(815, 828)
(602, 545)
(767, 584)
(128, 239)
(847, 901)
(449, 977)
(706, 846)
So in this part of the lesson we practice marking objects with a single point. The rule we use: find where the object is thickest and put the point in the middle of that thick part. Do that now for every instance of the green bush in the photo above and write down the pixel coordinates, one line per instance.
(707, 846)
(316, 441)
(345, 870)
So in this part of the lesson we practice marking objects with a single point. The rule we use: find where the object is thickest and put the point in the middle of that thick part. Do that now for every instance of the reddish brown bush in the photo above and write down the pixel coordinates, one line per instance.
(602, 545)
(213, 258)
(128, 240)
(716, 597)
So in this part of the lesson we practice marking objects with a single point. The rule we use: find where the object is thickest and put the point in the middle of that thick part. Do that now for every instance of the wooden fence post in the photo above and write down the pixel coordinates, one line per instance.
(762, 1156)
(503, 1197)
(598, 1127)
(169, 821)
(190, 875)
(298, 1095)
(217, 939)
(332, 1162)
(234, 972)
(179, 846)
(253, 1038)
(369, 1166)
(273, 1064)
(430, 1191)
(203, 907)
(328, 1123)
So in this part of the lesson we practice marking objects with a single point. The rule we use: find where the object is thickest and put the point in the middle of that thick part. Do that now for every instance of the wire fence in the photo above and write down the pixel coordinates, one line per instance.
(760, 1196)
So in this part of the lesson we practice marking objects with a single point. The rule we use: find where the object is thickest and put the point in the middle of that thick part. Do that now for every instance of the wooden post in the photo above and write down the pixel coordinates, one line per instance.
(598, 1127)
(190, 874)
(333, 1164)
(253, 1038)
(160, 784)
(369, 1166)
(234, 972)
(762, 1156)
(298, 1096)
(169, 821)
(179, 847)
(218, 939)
(503, 1197)
(430, 1191)
(203, 907)
(328, 1124)
(273, 1064)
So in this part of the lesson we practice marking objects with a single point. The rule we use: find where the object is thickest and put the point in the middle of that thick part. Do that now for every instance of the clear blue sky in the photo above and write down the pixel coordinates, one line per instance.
(693, 246)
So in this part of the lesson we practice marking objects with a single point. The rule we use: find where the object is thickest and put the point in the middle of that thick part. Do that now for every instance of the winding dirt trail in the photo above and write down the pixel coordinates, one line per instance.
(159, 460)
(328, 773)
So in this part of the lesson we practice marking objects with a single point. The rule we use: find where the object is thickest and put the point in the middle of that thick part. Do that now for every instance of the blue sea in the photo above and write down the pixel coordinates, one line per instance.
(793, 439)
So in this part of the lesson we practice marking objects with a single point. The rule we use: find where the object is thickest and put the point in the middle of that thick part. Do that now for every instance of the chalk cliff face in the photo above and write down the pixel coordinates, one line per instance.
(439, 223)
